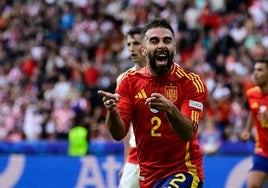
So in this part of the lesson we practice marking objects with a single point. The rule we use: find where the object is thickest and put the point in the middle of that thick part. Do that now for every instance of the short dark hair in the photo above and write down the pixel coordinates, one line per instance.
(265, 61)
(158, 22)
(135, 30)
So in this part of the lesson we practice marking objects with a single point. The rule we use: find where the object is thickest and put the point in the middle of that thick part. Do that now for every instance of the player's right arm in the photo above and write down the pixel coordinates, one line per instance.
(114, 122)
(246, 133)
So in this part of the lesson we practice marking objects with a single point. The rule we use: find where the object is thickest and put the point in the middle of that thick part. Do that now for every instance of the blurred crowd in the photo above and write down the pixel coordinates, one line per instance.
(56, 54)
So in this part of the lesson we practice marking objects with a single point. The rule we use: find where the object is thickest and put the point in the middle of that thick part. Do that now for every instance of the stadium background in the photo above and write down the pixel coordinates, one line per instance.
(55, 55)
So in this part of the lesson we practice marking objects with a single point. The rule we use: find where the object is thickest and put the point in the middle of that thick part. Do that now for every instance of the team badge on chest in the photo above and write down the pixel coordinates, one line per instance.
(171, 93)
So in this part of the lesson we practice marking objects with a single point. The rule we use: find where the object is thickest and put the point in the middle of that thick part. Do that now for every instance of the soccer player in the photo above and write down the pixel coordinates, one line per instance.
(129, 175)
(257, 98)
(165, 103)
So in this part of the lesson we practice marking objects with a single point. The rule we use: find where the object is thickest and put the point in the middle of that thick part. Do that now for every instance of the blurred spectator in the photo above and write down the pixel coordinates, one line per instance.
(63, 119)
(67, 17)
(32, 126)
(61, 88)
(210, 137)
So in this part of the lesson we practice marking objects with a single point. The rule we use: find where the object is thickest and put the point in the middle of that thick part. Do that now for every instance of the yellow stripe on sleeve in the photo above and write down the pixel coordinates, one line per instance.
(194, 78)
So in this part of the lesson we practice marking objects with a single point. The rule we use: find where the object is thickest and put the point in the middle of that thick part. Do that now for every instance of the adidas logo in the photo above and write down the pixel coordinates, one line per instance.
(141, 95)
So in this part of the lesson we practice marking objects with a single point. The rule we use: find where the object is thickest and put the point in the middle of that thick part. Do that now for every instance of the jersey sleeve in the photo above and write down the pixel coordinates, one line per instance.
(123, 89)
(194, 103)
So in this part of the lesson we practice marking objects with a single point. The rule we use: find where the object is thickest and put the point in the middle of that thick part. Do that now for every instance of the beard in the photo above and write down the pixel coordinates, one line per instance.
(161, 69)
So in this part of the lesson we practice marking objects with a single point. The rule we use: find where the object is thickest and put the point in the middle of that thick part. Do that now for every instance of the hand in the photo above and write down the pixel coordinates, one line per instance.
(158, 102)
(245, 135)
(110, 100)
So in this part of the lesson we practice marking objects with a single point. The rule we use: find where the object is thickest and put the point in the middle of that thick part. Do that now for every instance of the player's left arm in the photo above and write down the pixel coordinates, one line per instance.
(181, 124)
(184, 121)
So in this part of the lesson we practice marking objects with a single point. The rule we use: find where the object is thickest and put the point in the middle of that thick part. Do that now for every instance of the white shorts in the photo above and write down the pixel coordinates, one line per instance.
(130, 176)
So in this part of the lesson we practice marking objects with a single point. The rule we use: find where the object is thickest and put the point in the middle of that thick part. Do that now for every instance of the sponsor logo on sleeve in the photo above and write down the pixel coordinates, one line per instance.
(196, 104)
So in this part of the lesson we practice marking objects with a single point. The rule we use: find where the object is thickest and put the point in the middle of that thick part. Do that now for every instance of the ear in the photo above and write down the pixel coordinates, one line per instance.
(143, 50)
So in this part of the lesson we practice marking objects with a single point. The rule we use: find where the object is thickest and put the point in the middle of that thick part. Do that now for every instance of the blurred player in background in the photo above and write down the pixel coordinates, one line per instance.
(258, 102)
(129, 175)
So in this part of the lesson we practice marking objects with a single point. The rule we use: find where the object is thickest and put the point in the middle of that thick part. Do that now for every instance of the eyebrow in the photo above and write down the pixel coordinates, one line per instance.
(150, 38)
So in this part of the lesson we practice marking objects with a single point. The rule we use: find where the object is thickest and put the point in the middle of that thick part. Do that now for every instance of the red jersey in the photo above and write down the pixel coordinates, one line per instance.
(258, 102)
(161, 152)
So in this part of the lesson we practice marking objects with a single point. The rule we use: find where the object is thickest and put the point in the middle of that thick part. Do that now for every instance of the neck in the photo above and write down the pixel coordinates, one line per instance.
(140, 64)
(264, 89)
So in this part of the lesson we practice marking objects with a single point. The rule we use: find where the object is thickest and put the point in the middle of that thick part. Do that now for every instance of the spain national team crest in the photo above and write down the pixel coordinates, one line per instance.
(171, 93)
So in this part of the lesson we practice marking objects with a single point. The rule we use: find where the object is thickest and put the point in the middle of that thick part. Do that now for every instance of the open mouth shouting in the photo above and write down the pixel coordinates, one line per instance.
(161, 61)
(161, 58)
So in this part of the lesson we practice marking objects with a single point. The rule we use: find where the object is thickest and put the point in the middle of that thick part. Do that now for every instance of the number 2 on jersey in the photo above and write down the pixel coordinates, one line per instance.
(156, 121)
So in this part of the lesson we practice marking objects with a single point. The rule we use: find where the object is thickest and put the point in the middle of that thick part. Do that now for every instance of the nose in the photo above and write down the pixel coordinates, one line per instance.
(131, 47)
(255, 72)
(161, 44)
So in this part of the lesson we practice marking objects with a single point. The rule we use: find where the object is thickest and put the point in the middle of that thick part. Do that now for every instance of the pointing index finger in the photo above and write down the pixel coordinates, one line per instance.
(108, 95)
